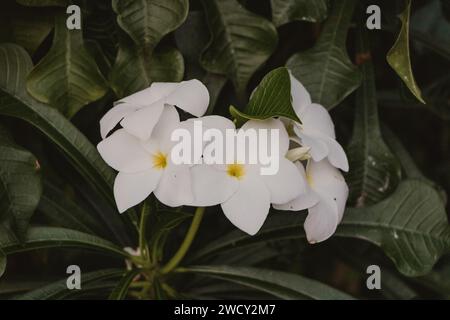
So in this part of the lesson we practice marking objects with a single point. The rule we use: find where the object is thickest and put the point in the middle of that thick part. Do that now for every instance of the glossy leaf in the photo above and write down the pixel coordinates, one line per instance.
(148, 21)
(60, 210)
(15, 101)
(20, 183)
(326, 70)
(410, 226)
(398, 56)
(58, 290)
(279, 284)
(134, 70)
(272, 98)
(67, 78)
(240, 43)
(52, 237)
(374, 170)
(285, 11)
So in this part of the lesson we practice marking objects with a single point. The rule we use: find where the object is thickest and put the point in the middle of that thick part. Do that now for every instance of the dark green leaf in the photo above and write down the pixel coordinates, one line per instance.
(240, 41)
(279, 284)
(272, 98)
(20, 183)
(399, 58)
(148, 21)
(135, 70)
(326, 70)
(51, 237)
(67, 78)
(14, 101)
(62, 211)
(58, 290)
(2, 263)
(374, 170)
(121, 289)
(285, 11)
(44, 3)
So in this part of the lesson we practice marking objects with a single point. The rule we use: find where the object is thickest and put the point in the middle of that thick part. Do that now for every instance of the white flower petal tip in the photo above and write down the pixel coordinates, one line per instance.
(249, 206)
(132, 189)
(300, 96)
(192, 96)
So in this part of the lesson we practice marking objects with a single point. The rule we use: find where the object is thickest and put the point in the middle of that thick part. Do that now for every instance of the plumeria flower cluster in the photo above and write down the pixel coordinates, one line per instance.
(140, 150)
(326, 191)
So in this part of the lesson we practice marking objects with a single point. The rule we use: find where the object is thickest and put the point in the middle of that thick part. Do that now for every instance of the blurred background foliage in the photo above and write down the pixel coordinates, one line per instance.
(55, 194)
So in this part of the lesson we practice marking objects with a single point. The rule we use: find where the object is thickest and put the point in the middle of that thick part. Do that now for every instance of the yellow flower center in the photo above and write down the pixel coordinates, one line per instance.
(236, 170)
(159, 160)
(309, 179)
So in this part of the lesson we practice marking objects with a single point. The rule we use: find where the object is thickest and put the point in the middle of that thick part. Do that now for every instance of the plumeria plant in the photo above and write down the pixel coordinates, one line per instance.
(212, 149)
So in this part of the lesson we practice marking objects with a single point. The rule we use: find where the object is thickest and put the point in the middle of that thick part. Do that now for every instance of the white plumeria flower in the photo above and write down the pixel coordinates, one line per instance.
(243, 193)
(317, 129)
(325, 199)
(140, 112)
(145, 166)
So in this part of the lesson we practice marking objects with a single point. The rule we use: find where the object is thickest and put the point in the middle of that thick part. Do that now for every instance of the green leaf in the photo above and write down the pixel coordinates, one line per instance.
(58, 290)
(398, 56)
(67, 78)
(167, 65)
(15, 64)
(20, 183)
(135, 70)
(60, 210)
(277, 283)
(285, 11)
(326, 70)
(272, 98)
(2, 263)
(121, 289)
(374, 171)
(240, 43)
(27, 27)
(44, 3)
(148, 21)
(410, 226)
(51, 237)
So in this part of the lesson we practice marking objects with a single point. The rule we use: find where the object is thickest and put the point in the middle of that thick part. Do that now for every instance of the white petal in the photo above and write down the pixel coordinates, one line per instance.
(321, 222)
(285, 185)
(192, 96)
(175, 187)
(148, 96)
(124, 152)
(113, 117)
(133, 188)
(271, 124)
(168, 121)
(211, 186)
(215, 122)
(248, 207)
(319, 148)
(336, 155)
(300, 97)
(141, 122)
(329, 183)
(316, 119)
(305, 200)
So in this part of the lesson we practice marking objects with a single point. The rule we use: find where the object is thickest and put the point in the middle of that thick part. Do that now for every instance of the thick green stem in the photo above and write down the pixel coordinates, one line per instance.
(179, 255)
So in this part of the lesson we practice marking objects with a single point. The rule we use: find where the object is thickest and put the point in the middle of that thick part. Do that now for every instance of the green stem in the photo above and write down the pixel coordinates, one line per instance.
(143, 246)
(179, 255)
